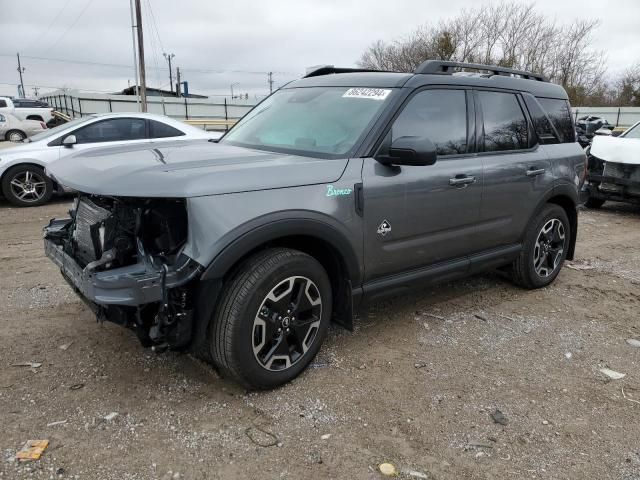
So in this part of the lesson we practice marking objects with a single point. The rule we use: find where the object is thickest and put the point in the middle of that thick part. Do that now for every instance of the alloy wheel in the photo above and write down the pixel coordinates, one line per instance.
(287, 323)
(28, 186)
(549, 247)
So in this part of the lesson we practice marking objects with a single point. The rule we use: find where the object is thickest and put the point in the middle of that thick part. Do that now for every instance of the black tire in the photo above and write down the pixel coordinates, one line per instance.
(38, 186)
(15, 136)
(594, 203)
(529, 273)
(245, 315)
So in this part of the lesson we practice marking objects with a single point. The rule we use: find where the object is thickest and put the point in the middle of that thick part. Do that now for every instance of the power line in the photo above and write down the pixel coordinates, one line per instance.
(73, 24)
(46, 31)
(118, 65)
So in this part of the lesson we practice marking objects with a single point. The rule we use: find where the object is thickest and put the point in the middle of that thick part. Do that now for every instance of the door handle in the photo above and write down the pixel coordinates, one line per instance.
(462, 180)
(532, 172)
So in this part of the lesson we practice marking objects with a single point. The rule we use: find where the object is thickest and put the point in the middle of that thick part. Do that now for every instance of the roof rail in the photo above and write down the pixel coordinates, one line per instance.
(330, 69)
(446, 67)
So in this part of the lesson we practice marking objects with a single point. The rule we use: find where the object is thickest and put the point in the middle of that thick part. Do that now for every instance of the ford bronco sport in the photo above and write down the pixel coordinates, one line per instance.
(342, 186)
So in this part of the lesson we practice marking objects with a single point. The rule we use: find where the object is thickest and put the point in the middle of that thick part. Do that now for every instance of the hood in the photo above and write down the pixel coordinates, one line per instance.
(616, 149)
(188, 169)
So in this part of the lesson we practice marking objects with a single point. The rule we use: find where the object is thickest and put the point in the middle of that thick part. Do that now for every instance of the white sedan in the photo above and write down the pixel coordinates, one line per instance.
(22, 168)
(15, 130)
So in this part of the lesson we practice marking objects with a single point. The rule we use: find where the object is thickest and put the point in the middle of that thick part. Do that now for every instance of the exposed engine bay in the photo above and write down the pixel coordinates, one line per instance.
(125, 256)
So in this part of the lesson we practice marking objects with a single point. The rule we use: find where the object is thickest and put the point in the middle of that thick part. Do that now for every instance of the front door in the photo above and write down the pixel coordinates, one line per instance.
(416, 216)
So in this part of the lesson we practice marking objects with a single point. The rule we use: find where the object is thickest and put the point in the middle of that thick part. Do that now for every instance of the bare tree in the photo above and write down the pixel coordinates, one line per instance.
(507, 34)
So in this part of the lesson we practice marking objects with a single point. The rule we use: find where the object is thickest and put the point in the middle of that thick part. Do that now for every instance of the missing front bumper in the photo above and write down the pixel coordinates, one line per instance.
(133, 285)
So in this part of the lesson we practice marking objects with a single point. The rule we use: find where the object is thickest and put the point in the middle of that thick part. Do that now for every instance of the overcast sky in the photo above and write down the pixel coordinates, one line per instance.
(218, 43)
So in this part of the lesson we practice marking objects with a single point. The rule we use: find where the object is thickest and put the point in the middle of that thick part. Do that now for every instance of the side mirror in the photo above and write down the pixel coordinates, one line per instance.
(69, 141)
(417, 151)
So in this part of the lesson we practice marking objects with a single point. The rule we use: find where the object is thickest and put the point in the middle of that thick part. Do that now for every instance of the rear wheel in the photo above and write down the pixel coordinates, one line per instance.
(545, 248)
(15, 136)
(26, 186)
(594, 203)
(272, 318)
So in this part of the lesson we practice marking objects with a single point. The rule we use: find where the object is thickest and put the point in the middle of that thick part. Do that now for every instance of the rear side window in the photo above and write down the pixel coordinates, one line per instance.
(560, 114)
(439, 115)
(162, 130)
(505, 126)
(3, 103)
(546, 133)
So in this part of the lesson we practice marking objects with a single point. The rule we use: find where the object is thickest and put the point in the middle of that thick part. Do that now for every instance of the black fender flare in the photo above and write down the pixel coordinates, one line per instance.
(274, 229)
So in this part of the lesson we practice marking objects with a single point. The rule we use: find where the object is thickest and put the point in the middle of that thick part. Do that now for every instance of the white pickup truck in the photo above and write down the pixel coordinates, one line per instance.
(26, 109)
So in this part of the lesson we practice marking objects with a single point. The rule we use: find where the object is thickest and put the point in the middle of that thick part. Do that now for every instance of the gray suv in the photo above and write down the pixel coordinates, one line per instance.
(342, 186)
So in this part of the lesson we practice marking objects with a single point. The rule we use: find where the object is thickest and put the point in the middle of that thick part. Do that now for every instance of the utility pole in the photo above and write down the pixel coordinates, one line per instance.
(135, 55)
(20, 70)
(143, 76)
(178, 82)
(233, 85)
(169, 56)
(270, 82)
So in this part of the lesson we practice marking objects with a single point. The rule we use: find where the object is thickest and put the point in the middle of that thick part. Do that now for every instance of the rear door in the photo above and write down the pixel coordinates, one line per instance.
(517, 172)
(416, 216)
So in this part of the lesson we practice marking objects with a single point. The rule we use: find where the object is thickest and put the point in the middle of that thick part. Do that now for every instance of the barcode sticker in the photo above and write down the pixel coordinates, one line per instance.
(370, 93)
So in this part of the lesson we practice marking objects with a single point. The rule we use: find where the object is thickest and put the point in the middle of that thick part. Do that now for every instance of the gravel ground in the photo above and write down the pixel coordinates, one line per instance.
(414, 385)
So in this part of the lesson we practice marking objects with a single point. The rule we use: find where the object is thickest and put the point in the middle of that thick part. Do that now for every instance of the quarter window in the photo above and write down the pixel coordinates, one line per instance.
(3, 103)
(113, 130)
(560, 114)
(439, 115)
(162, 130)
(505, 126)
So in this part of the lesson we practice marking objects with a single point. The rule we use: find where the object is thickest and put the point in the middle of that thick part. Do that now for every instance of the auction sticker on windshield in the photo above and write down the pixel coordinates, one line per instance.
(370, 93)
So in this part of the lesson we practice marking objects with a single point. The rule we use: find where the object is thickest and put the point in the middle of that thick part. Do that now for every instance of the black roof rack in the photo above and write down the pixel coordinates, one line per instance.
(330, 69)
(446, 68)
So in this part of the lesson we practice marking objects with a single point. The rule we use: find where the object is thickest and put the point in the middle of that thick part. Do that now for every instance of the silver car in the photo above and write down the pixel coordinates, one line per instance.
(22, 168)
(15, 130)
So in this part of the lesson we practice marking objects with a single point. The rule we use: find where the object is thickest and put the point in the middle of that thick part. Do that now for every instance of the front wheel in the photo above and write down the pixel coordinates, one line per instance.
(272, 318)
(26, 186)
(545, 248)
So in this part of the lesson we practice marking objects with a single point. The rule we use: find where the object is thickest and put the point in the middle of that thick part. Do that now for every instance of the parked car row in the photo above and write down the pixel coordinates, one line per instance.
(13, 129)
(22, 168)
(25, 109)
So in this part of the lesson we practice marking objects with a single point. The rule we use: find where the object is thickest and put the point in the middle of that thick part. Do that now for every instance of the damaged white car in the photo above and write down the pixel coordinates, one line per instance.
(614, 168)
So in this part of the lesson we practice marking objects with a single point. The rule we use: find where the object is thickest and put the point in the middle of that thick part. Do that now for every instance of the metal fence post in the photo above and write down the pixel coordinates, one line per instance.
(618, 117)
(226, 116)
(186, 108)
(110, 106)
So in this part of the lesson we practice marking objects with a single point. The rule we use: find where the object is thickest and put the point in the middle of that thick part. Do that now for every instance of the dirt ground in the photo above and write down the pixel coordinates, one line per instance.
(414, 385)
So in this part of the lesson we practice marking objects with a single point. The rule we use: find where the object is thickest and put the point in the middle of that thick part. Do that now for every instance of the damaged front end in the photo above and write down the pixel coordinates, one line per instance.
(613, 180)
(125, 258)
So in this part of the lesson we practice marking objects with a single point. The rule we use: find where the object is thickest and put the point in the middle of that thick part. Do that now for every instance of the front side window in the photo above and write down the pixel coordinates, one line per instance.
(505, 126)
(326, 122)
(162, 130)
(112, 130)
(439, 115)
(560, 114)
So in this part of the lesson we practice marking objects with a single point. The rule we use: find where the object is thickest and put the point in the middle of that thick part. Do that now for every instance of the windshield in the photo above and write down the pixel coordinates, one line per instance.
(633, 132)
(60, 128)
(317, 121)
